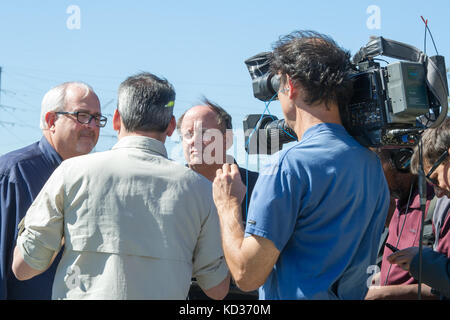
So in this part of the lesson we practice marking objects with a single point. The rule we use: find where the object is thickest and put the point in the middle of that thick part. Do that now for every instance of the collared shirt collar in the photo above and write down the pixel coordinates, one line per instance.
(49, 152)
(322, 127)
(140, 142)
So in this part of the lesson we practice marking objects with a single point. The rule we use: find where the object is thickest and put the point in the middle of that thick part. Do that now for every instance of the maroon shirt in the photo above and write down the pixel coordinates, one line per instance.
(408, 237)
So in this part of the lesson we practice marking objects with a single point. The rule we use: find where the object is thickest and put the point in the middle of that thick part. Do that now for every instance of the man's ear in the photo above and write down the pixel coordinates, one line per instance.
(292, 89)
(171, 127)
(50, 118)
(117, 121)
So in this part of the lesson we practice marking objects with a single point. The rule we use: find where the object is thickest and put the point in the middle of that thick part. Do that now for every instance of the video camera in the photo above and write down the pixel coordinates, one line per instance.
(390, 107)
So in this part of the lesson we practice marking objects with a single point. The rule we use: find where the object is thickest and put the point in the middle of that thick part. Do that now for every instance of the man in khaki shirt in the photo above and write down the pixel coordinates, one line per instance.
(135, 224)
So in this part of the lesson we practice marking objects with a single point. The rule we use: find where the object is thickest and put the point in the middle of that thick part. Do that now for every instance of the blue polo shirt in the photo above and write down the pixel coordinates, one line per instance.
(323, 203)
(23, 173)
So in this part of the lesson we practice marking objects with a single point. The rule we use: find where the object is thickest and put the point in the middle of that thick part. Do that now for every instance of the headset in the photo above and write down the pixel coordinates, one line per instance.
(401, 158)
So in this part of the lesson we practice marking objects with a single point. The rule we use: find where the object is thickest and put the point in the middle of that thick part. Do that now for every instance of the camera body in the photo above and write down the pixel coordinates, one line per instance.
(266, 134)
(390, 106)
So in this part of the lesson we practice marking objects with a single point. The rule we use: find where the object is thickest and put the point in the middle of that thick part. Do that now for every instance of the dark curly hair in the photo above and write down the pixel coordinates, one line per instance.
(316, 63)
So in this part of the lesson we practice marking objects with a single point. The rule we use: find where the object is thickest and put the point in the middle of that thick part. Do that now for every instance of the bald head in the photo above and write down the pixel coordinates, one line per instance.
(201, 113)
(222, 117)
(206, 135)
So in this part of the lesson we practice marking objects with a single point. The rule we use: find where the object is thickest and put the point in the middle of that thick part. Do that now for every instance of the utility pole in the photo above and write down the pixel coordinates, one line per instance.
(0, 85)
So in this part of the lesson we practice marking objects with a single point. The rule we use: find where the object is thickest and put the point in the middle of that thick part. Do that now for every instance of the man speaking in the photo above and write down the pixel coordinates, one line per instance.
(317, 211)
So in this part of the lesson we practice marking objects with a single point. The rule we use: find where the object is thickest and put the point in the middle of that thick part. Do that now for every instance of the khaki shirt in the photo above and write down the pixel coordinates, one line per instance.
(136, 226)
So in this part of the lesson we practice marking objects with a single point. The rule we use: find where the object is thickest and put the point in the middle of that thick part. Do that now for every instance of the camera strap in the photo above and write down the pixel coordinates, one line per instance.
(438, 86)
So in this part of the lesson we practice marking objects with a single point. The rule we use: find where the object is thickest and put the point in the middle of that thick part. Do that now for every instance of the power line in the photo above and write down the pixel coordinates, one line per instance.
(14, 108)
(14, 96)
(107, 104)
(110, 136)
(19, 122)
(5, 124)
(11, 124)
(29, 70)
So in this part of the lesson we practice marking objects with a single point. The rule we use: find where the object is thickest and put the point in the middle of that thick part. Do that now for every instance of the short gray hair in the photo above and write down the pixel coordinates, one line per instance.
(145, 103)
(55, 99)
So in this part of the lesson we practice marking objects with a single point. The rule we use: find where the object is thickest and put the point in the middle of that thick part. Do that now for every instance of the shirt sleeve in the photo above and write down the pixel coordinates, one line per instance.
(273, 211)
(7, 230)
(210, 268)
(42, 229)
(442, 213)
(15, 198)
(435, 270)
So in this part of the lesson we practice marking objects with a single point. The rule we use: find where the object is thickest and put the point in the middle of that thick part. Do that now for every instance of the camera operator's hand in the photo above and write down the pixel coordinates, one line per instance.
(403, 257)
(228, 187)
(250, 259)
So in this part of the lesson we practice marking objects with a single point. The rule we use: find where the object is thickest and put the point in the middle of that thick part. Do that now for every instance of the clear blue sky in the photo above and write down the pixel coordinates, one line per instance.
(199, 46)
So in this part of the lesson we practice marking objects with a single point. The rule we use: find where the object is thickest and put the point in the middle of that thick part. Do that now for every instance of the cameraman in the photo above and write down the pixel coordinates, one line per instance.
(317, 211)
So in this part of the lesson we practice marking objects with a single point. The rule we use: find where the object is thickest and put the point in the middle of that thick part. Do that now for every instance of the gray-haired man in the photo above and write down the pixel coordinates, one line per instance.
(136, 225)
(67, 112)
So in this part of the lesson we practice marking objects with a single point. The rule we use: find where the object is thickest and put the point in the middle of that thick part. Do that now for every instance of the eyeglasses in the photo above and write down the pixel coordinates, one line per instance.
(206, 136)
(85, 118)
(434, 167)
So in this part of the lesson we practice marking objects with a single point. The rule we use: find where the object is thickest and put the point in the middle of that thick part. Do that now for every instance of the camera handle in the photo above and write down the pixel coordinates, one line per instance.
(435, 79)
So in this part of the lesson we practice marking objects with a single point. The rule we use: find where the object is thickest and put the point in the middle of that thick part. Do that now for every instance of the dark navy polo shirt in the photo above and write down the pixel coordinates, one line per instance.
(23, 173)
